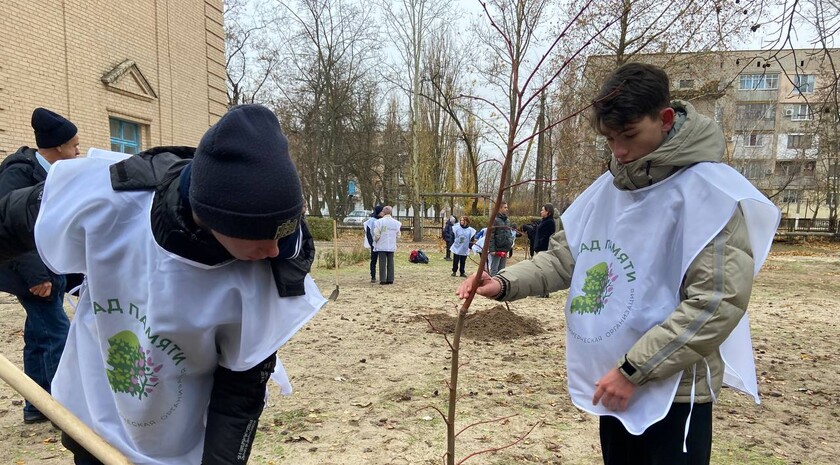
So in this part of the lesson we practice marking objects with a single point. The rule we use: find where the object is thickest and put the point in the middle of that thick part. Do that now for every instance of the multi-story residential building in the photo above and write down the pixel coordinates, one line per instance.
(773, 110)
(129, 77)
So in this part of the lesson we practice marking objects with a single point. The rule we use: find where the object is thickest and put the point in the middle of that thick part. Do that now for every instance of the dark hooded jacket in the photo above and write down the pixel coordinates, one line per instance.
(501, 239)
(18, 170)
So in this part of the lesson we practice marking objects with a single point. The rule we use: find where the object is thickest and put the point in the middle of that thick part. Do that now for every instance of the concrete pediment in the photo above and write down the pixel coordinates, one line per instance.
(127, 79)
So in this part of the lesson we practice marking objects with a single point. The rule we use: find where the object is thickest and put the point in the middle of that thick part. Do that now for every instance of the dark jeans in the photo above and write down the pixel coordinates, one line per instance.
(386, 267)
(458, 261)
(448, 245)
(44, 336)
(662, 442)
(373, 259)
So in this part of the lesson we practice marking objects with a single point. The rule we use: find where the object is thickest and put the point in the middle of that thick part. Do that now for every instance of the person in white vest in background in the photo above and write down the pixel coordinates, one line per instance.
(197, 266)
(385, 233)
(462, 235)
(368, 226)
(478, 245)
(659, 256)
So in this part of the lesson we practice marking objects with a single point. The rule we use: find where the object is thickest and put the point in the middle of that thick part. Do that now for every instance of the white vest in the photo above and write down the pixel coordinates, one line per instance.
(461, 241)
(632, 249)
(479, 243)
(387, 228)
(139, 361)
(368, 226)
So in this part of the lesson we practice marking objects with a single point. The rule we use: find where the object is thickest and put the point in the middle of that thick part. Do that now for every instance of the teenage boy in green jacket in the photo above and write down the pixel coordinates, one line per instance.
(659, 256)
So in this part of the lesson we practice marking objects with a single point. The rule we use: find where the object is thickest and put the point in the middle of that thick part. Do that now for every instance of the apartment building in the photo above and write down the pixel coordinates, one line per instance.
(129, 76)
(772, 108)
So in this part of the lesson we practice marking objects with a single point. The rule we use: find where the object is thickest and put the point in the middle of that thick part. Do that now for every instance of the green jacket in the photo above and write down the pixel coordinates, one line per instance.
(689, 335)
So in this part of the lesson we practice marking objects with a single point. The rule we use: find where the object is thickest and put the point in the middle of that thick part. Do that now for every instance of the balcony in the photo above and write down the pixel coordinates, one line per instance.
(753, 125)
(759, 95)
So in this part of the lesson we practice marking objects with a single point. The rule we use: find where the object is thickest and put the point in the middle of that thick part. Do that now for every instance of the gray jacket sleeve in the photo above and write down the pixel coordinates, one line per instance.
(548, 271)
(715, 292)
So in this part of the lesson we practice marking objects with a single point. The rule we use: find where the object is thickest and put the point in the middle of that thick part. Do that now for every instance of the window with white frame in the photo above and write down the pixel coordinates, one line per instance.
(754, 170)
(802, 112)
(799, 141)
(759, 82)
(790, 196)
(804, 83)
(753, 140)
(789, 169)
(756, 112)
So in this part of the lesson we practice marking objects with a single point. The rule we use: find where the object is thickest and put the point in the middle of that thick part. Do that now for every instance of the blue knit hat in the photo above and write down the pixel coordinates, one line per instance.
(51, 129)
(243, 182)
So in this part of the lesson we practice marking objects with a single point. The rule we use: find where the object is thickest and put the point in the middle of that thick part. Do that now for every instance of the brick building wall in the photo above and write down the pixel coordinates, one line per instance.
(156, 64)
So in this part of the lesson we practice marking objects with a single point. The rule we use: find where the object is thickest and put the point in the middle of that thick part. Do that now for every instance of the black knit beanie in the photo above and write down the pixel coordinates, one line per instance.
(51, 129)
(244, 184)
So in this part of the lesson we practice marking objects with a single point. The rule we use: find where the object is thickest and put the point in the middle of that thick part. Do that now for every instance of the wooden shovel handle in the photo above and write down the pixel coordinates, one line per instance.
(59, 415)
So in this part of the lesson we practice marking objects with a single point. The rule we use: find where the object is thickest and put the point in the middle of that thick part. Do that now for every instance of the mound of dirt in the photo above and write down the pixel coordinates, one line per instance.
(494, 323)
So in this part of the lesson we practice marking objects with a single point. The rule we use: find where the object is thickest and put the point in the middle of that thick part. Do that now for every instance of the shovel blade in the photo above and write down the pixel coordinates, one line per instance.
(334, 295)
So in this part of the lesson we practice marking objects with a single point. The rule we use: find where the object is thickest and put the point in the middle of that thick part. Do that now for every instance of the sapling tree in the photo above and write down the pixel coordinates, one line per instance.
(519, 70)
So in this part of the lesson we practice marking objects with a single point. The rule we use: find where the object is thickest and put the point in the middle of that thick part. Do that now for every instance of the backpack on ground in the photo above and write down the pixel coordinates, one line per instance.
(418, 256)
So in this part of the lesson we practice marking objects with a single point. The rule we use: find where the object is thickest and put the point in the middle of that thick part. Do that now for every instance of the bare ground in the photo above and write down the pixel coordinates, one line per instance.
(368, 374)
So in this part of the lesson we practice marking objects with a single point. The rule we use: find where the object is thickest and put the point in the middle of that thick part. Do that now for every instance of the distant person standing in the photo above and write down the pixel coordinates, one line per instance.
(385, 233)
(477, 242)
(462, 234)
(377, 213)
(447, 236)
(501, 240)
(39, 290)
(545, 229)
(530, 230)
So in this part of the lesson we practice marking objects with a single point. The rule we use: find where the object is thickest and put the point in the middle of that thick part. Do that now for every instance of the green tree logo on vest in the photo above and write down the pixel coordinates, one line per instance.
(133, 370)
(597, 289)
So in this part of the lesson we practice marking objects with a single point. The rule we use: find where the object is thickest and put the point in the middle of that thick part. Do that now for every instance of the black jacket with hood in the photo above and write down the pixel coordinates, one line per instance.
(18, 170)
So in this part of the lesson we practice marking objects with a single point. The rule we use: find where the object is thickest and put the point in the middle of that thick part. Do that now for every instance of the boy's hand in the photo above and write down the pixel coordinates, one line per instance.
(42, 290)
(487, 287)
(614, 391)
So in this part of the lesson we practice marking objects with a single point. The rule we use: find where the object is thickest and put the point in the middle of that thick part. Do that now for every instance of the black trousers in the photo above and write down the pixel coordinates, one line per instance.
(458, 261)
(80, 455)
(374, 259)
(448, 245)
(662, 442)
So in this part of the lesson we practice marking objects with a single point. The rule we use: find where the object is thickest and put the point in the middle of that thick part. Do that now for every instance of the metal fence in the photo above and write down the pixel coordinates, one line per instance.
(804, 227)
